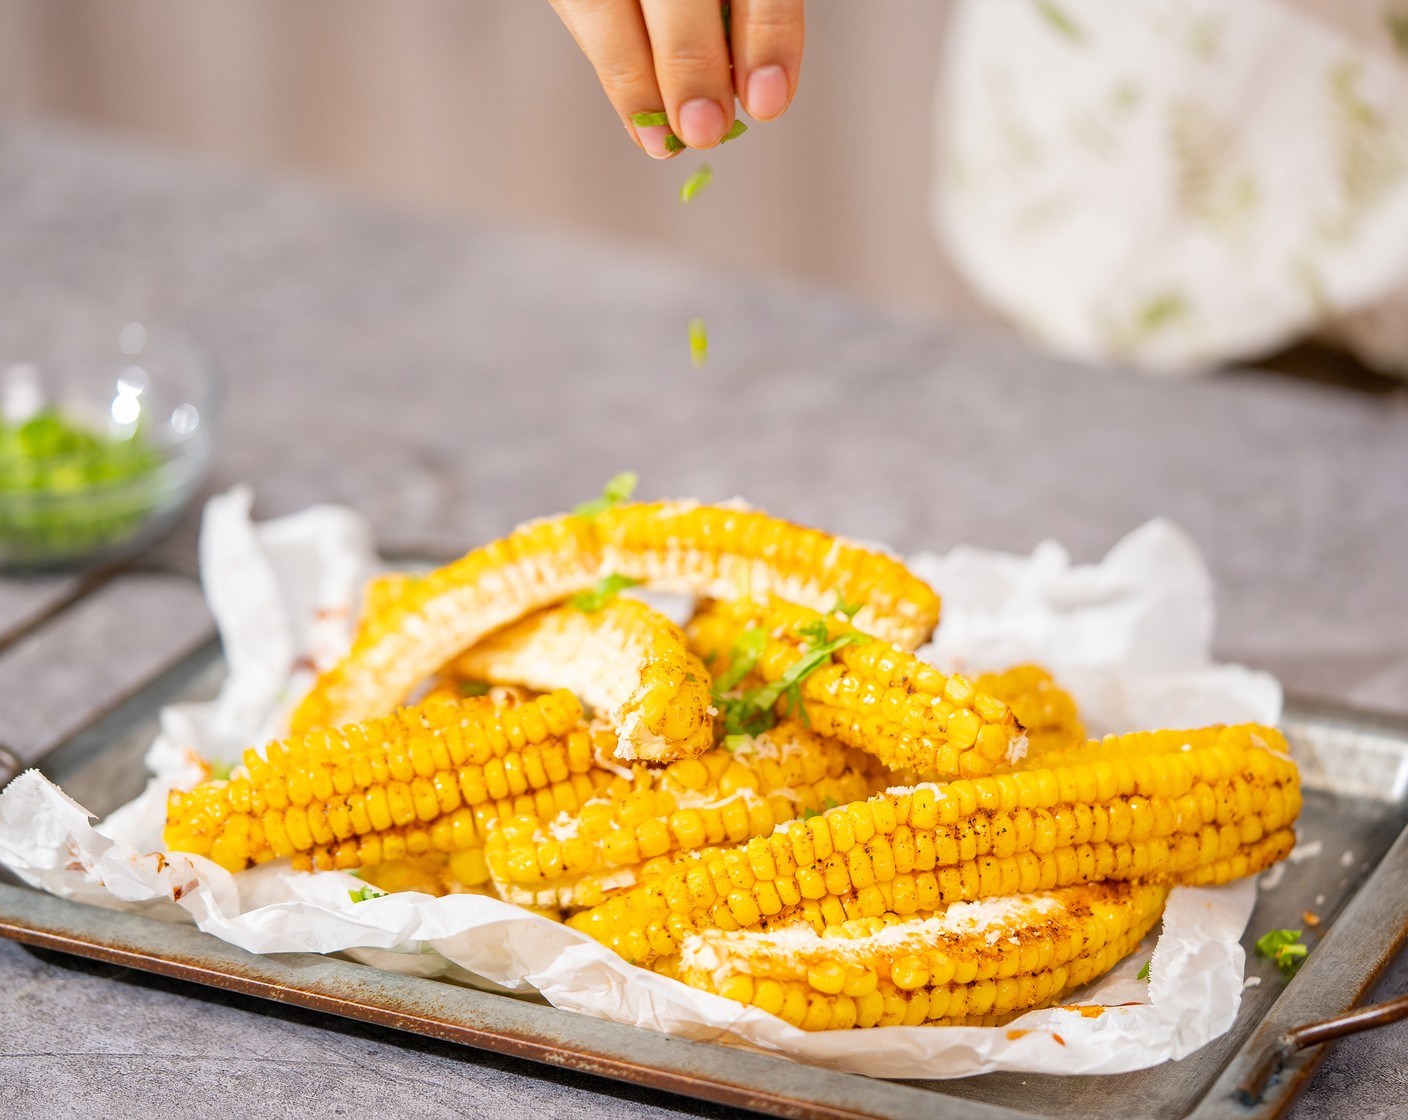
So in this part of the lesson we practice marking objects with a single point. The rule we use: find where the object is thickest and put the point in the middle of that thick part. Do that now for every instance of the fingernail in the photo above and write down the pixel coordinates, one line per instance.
(652, 139)
(767, 92)
(702, 122)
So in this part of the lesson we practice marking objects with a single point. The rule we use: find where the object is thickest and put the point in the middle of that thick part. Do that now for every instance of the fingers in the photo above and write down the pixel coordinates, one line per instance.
(692, 67)
(613, 36)
(767, 54)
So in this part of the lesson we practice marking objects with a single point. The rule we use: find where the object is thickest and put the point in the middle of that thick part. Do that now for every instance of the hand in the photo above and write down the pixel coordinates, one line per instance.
(672, 55)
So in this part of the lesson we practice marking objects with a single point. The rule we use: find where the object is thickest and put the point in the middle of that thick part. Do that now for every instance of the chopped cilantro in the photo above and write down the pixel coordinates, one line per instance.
(1283, 946)
(742, 658)
(606, 589)
(650, 120)
(849, 610)
(220, 771)
(618, 489)
(366, 892)
(738, 129)
(753, 712)
(809, 813)
(1144, 972)
(815, 631)
(474, 688)
(698, 343)
(733, 742)
(696, 182)
(674, 144)
(831, 803)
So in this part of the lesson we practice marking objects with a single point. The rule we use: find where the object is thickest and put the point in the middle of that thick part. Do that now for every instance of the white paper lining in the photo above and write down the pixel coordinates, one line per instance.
(1129, 636)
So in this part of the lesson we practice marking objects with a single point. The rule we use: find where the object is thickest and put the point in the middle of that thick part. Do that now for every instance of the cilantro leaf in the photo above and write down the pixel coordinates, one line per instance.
(474, 688)
(698, 343)
(733, 742)
(807, 664)
(650, 120)
(808, 814)
(696, 182)
(674, 144)
(220, 771)
(849, 610)
(619, 488)
(366, 892)
(815, 631)
(1144, 972)
(738, 129)
(606, 589)
(831, 803)
(742, 658)
(1283, 946)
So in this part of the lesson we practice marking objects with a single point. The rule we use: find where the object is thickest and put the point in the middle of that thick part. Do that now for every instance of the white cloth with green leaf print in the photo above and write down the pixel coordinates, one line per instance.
(1182, 183)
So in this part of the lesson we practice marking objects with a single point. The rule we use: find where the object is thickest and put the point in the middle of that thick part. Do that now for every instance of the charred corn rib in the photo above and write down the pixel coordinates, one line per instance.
(972, 964)
(703, 549)
(1042, 707)
(1167, 807)
(870, 695)
(722, 797)
(423, 779)
(626, 660)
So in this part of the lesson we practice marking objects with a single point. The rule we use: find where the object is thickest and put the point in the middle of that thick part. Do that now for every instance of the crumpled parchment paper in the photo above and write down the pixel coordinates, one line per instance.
(1129, 636)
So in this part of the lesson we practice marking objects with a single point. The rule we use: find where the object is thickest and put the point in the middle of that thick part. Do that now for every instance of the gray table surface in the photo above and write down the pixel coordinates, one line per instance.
(451, 381)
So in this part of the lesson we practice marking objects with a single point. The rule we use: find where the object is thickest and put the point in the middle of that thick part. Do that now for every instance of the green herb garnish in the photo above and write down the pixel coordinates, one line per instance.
(733, 742)
(220, 771)
(606, 589)
(742, 657)
(849, 610)
(696, 182)
(753, 712)
(70, 489)
(698, 343)
(650, 120)
(674, 144)
(1143, 973)
(365, 893)
(474, 688)
(1283, 946)
(618, 489)
(738, 129)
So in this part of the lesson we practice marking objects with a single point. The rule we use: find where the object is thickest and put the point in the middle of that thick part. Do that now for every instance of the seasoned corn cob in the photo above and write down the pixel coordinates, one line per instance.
(1045, 710)
(681, 546)
(723, 797)
(870, 695)
(423, 779)
(1169, 807)
(626, 660)
(972, 964)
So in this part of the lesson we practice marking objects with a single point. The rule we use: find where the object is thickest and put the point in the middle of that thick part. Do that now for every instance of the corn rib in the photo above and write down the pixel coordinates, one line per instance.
(870, 695)
(974, 963)
(423, 779)
(626, 660)
(726, 796)
(709, 550)
(1170, 807)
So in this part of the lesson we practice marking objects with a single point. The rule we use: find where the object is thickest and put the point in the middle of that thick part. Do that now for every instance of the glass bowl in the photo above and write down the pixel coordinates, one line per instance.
(104, 438)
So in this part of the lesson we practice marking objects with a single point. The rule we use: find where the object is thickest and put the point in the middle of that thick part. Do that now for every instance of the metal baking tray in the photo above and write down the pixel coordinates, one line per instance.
(1351, 871)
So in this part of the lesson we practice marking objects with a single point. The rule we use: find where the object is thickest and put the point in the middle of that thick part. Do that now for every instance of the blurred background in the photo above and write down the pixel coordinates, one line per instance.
(487, 108)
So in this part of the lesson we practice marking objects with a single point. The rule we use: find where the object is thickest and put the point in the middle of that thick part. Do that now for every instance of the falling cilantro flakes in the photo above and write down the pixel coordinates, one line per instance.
(1144, 972)
(618, 489)
(366, 893)
(650, 120)
(696, 182)
(698, 343)
(738, 129)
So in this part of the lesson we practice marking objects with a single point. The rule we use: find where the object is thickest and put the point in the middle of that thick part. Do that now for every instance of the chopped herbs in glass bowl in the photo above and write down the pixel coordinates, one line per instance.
(102, 442)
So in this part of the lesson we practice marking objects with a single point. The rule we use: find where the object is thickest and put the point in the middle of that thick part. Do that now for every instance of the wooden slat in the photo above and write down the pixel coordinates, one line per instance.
(58, 679)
